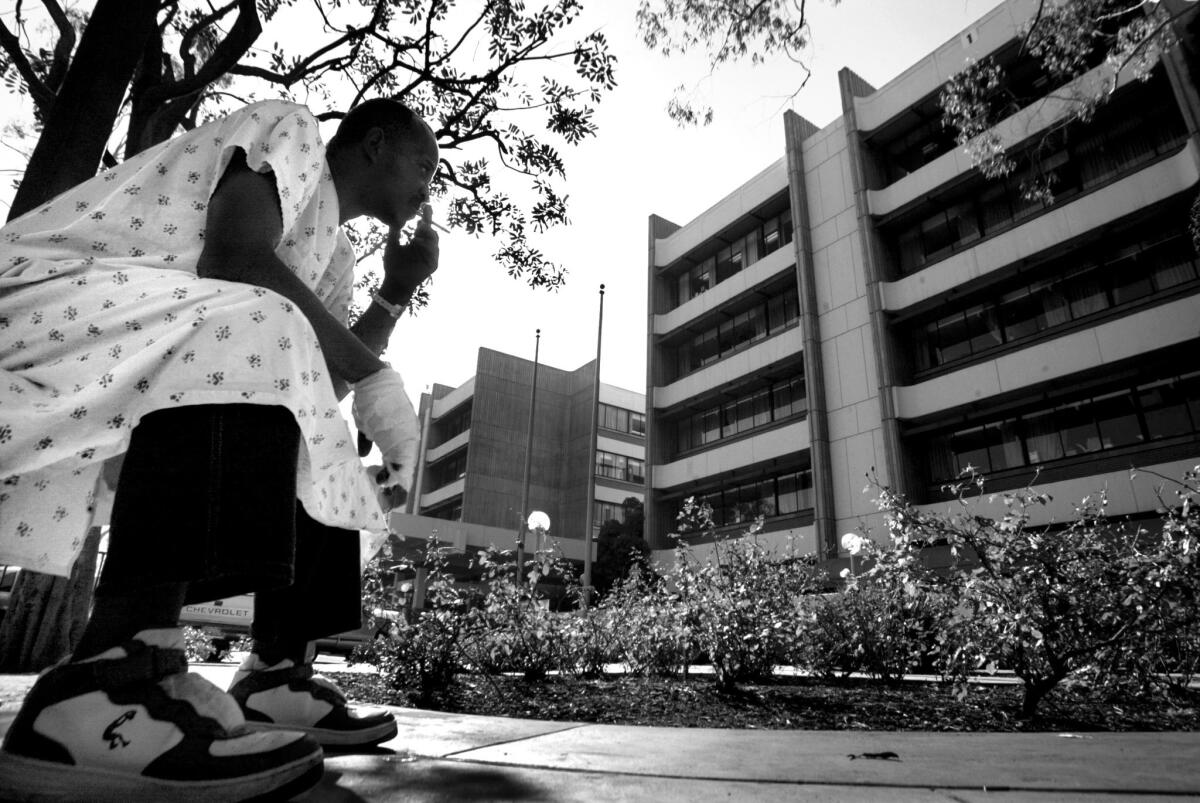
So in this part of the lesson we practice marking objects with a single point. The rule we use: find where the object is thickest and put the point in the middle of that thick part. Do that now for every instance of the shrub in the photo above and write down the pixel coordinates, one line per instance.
(874, 626)
(649, 625)
(742, 599)
(423, 652)
(206, 644)
(590, 640)
(515, 630)
(1090, 600)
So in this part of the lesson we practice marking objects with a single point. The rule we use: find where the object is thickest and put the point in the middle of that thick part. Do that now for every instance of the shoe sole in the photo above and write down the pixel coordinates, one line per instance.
(26, 780)
(364, 737)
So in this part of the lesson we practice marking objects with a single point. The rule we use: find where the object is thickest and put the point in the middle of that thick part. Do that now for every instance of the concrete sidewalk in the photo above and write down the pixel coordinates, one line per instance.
(452, 757)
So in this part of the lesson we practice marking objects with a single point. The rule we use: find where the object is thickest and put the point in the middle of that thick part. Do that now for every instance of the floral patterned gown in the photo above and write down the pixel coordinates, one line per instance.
(103, 320)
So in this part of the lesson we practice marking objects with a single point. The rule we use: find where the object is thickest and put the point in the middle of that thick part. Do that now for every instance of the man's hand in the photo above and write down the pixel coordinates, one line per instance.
(406, 266)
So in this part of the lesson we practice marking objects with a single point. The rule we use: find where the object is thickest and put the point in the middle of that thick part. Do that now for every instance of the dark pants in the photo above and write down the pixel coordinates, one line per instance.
(207, 497)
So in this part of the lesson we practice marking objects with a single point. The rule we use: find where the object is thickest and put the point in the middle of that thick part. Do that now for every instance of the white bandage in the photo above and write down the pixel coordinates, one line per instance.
(384, 414)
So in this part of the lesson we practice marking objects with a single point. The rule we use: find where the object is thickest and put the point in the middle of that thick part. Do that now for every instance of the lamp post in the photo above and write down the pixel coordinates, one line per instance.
(528, 460)
(591, 472)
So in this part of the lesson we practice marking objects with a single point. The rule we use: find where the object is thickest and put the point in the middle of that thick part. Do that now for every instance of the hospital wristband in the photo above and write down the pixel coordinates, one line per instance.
(395, 310)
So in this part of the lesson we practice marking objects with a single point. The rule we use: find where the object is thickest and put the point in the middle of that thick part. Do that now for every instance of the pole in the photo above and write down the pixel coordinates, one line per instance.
(591, 473)
(528, 460)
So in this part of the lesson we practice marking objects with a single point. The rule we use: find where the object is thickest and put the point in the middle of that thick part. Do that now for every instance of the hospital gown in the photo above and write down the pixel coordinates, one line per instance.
(103, 320)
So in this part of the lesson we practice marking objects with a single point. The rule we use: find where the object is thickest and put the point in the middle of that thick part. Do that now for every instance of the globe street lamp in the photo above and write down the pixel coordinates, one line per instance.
(539, 523)
(852, 543)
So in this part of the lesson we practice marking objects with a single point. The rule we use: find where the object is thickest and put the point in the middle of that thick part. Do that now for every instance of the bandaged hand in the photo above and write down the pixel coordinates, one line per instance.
(383, 413)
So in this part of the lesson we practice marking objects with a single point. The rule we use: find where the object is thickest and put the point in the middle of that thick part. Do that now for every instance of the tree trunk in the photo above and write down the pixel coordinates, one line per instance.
(47, 614)
(86, 107)
(1035, 692)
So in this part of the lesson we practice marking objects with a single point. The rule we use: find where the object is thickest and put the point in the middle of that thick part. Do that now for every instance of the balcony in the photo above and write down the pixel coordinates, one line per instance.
(1141, 333)
(1110, 203)
(989, 34)
(457, 442)
(739, 364)
(1034, 118)
(767, 445)
(443, 494)
(720, 295)
(751, 195)
(454, 398)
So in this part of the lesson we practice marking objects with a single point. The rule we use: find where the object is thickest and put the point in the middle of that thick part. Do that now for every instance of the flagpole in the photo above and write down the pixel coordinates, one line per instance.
(524, 512)
(591, 473)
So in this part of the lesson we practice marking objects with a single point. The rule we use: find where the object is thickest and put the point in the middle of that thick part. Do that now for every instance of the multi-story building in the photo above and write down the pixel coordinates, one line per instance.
(870, 305)
(469, 477)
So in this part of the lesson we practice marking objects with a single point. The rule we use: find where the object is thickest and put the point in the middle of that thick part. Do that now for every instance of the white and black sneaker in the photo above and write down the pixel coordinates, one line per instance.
(288, 695)
(133, 724)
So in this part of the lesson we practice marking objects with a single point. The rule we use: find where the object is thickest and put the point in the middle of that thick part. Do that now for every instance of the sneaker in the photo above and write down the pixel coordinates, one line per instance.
(288, 695)
(133, 724)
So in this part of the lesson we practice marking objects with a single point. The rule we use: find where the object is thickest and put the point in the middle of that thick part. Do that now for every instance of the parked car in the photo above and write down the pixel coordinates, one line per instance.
(227, 620)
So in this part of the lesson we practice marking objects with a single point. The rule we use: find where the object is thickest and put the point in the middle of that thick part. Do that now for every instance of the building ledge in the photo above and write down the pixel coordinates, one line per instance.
(1128, 492)
(454, 444)
(1034, 118)
(1156, 182)
(738, 204)
(1116, 340)
(987, 35)
(443, 494)
(743, 363)
(768, 267)
(766, 445)
(454, 398)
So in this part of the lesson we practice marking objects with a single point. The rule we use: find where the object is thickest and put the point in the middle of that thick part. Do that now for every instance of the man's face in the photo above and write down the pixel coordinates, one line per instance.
(405, 170)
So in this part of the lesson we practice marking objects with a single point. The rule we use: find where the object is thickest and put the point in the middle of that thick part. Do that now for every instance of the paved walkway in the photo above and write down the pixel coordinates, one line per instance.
(453, 757)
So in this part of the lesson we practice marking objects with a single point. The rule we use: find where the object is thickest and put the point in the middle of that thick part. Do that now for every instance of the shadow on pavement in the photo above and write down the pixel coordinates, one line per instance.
(420, 780)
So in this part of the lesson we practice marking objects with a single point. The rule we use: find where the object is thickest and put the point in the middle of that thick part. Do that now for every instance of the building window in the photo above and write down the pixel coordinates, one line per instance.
(748, 411)
(449, 469)
(618, 419)
(1114, 273)
(746, 249)
(769, 496)
(450, 512)
(453, 425)
(1122, 139)
(620, 467)
(606, 511)
(741, 330)
(1152, 411)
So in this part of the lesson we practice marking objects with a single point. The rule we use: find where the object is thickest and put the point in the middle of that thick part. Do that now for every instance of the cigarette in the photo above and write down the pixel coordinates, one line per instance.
(439, 227)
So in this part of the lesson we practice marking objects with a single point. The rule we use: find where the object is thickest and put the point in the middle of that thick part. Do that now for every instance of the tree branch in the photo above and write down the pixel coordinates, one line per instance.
(185, 43)
(305, 67)
(62, 48)
(235, 44)
(41, 94)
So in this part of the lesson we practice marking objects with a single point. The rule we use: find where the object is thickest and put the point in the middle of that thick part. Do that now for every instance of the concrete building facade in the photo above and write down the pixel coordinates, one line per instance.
(468, 483)
(869, 305)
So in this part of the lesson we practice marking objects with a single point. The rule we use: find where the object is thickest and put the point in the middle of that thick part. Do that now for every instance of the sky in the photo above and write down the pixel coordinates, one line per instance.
(641, 163)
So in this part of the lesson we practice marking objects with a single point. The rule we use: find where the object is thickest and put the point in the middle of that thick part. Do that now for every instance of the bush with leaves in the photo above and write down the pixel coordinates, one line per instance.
(1051, 603)
(515, 630)
(652, 630)
(423, 652)
(206, 644)
(743, 598)
(590, 640)
(876, 626)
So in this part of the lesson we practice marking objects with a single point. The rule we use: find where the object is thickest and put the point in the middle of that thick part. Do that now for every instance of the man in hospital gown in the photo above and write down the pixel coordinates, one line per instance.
(179, 322)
